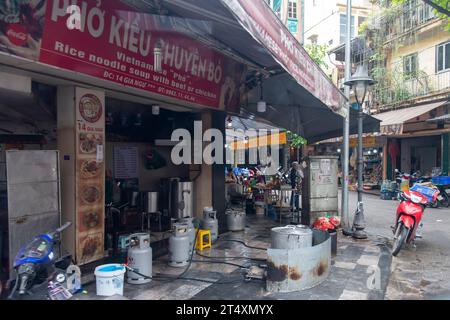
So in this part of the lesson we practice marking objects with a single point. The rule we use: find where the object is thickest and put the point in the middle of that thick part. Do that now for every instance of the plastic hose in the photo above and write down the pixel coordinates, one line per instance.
(243, 243)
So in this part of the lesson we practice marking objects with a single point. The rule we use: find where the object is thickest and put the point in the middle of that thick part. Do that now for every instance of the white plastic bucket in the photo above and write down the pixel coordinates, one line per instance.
(109, 279)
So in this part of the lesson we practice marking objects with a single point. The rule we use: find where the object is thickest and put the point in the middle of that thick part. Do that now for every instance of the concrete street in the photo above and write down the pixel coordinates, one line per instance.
(416, 273)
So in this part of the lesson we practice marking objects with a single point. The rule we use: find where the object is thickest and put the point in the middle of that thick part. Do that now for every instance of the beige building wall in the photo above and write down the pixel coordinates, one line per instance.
(425, 47)
(322, 25)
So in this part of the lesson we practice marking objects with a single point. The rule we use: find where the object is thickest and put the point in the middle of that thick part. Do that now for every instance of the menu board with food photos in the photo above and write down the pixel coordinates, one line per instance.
(90, 139)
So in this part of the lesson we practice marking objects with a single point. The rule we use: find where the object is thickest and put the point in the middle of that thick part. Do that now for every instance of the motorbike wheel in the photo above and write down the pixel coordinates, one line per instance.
(444, 202)
(435, 204)
(400, 240)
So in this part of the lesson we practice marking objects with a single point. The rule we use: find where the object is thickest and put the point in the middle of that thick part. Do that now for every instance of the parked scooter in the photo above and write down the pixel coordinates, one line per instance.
(409, 215)
(406, 181)
(36, 264)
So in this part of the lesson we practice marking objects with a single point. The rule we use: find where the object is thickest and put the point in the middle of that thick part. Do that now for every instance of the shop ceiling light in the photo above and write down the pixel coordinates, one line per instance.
(157, 57)
(138, 121)
(229, 122)
(155, 110)
(261, 105)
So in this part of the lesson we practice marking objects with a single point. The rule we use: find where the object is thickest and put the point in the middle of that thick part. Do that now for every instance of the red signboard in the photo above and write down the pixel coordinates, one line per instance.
(111, 41)
(259, 20)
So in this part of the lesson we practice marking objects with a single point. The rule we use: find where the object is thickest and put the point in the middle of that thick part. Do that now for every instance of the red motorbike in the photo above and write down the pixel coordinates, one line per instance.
(409, 215)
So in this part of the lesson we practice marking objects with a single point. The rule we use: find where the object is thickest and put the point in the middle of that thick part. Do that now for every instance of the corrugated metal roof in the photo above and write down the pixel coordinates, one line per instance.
(403, 115)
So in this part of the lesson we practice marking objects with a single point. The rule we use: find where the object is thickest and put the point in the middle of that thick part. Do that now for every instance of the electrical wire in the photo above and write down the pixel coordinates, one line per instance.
(169, 278)
(220, 262)
(181, 275)
(243, 243)
(231, 258)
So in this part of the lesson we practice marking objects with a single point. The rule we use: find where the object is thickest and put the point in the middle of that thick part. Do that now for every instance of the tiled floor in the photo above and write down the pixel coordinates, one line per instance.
(351, 269)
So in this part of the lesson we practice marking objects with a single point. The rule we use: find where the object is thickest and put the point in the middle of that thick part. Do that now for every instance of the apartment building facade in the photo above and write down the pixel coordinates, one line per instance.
(291, 13)
(410, 59)
(326, 25)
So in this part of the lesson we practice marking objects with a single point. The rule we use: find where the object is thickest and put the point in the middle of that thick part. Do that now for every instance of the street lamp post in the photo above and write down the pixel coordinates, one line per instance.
(360, 82)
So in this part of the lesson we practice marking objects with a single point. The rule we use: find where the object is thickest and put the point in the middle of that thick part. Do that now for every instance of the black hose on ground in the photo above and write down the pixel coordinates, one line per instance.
(231, 258)
(220, 262)
(169, 278)
(243, 243)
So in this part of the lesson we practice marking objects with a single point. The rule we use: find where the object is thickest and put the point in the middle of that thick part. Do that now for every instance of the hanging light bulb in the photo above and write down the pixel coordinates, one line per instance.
(109, 120)
(229, 122)
(261, 105)
(138, 121)
(157, 57)
(155, 110)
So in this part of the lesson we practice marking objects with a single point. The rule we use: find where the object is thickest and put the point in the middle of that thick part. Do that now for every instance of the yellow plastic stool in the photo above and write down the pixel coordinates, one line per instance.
(200, 243)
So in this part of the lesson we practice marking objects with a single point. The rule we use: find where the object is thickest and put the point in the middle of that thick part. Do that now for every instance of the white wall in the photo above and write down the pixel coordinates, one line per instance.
(322, 18)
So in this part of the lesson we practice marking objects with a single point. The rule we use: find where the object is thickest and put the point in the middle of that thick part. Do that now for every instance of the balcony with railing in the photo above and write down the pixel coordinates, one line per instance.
(416, 87)
(406, 18)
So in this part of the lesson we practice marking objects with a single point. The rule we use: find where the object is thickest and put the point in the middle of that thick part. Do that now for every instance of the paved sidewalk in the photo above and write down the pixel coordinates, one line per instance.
(354, 264)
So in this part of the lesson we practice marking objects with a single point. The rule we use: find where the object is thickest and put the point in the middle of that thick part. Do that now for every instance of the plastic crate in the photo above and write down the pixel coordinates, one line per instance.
(441, 180)
(387, 195)
(426, 191)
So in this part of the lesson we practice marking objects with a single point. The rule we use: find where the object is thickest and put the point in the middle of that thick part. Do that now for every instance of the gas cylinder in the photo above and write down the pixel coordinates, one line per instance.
(139, 258)
(210, 222)
(191, 232)
(235, 220)
(179, 245)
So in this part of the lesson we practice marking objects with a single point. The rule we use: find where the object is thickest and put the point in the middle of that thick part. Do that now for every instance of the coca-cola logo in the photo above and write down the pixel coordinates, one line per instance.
(17, 34)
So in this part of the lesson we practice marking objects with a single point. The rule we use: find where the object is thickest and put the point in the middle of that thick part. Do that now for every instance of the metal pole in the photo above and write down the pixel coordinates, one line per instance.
(360, 153)
(358, 222)
(345, 147)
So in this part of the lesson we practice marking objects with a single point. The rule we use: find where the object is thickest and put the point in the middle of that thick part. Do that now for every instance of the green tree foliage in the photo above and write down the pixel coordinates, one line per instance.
(295, 140)
(318, 53)
(446, 5)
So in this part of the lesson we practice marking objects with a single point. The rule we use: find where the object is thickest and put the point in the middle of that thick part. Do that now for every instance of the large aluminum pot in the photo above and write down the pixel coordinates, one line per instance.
(235, 220)
(291, 237)
(151, 202)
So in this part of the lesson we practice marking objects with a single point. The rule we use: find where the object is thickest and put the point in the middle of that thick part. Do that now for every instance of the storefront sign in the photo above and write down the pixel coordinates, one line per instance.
(90, 175)
(292, 25)
(110, 41)
(368, 142)
(253, 16)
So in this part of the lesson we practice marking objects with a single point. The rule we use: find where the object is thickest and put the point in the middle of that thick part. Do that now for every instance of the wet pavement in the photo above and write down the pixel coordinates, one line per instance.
(359, 271)
(421, 272)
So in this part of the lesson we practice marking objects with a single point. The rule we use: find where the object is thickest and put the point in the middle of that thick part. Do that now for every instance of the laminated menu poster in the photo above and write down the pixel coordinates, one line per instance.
(90, 173)
(125, 162)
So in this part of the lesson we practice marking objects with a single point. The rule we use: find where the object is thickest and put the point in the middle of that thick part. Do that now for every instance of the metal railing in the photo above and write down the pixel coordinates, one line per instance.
(411, 16)
(412, 88)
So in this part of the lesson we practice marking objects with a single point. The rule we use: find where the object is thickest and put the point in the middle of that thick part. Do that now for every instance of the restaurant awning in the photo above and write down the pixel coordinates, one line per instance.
(247, 133)
(296, 110)
(443, 118)
(302, 97)
(392, 122)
